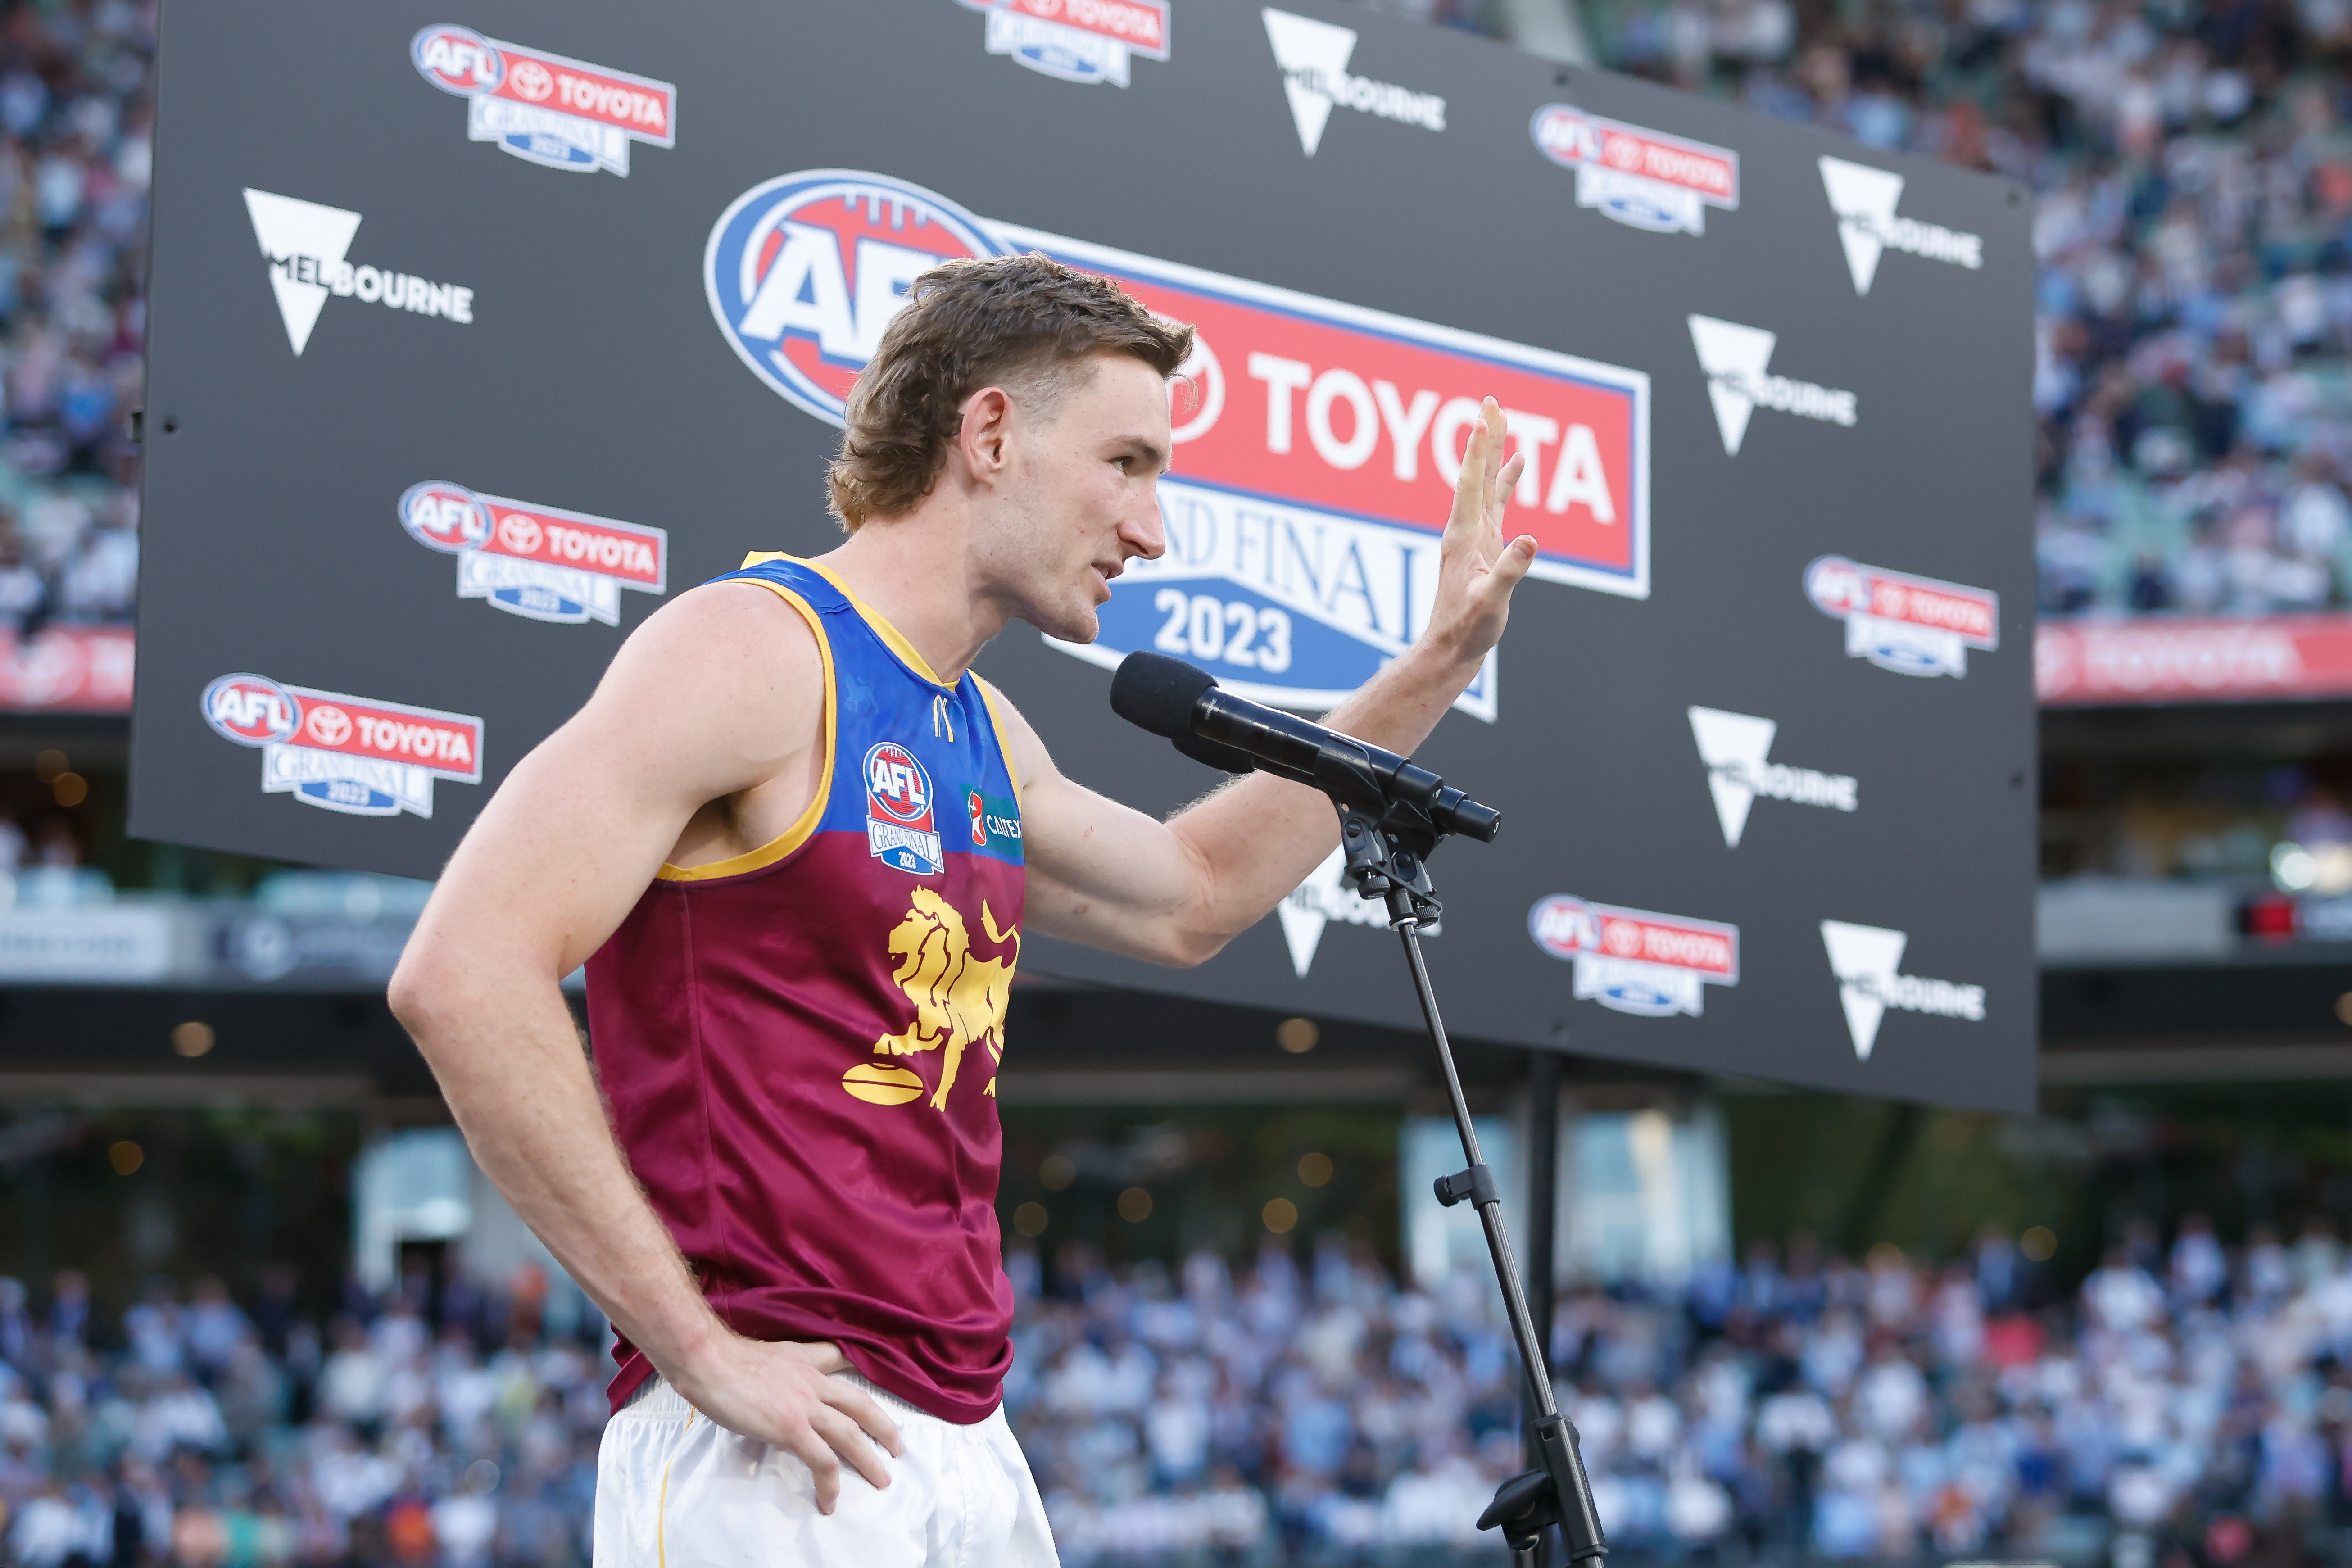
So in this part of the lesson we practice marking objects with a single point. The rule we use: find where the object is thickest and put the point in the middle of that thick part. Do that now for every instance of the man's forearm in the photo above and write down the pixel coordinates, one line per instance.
(1254, 842)
(509, 1062)
(1399, 705)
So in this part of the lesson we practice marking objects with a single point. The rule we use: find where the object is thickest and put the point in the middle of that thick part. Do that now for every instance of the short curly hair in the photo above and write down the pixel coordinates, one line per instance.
(1022, 322)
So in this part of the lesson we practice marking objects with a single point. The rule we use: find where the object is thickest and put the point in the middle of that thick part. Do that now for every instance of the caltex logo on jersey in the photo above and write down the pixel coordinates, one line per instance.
(1645, 178)
(1631, 960)
(803, 273)
(1912, 626)
(1077, 40)
(1317, 443)
(539, 561)
(898, 827)
(352, 754)
(562, 114)
(995, 824)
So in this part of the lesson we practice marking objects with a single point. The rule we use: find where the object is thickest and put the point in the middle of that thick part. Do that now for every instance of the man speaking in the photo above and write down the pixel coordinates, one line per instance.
(796, 842)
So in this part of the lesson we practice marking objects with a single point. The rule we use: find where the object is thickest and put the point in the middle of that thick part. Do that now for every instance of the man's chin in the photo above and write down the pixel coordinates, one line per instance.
(1075, 623)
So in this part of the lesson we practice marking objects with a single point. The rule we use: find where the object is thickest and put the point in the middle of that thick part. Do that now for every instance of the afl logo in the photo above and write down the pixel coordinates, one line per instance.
(251, 709)
(803, 272)
(896, 787)
(444, 517)
(459, 61)
(1562, 926)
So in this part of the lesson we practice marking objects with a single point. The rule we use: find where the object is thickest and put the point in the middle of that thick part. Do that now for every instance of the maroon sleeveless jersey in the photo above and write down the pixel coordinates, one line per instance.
(799, 1046)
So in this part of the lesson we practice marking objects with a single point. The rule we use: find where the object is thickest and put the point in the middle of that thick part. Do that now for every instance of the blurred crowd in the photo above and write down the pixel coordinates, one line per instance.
(76, 156)
(2191, 164)
(203, 1433)
(2189, 1404)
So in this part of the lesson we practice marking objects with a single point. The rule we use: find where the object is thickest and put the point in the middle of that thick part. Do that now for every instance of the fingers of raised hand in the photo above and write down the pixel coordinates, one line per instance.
(1499, 495)
(1509, 567)
(1470, 484)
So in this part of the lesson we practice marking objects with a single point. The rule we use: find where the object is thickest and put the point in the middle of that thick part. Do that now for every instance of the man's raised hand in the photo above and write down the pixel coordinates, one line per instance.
(1477, 570)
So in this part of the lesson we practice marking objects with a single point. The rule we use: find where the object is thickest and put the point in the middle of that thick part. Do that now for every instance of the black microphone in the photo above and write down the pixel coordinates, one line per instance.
(1184, 703)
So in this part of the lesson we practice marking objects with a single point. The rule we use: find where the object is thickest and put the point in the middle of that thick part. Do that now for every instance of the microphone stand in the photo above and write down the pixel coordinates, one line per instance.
(1387, 841)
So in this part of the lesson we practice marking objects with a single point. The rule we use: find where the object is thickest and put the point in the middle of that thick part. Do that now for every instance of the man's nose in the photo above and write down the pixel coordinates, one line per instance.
(1144, 531)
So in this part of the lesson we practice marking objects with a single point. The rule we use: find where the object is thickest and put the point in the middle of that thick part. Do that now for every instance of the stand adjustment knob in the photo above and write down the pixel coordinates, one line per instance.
(1476, 1184)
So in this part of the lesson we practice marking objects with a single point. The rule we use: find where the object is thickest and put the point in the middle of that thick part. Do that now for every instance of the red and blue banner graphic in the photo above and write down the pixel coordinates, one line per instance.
(67, 670)
(2193, 659)
(539, 561)
(1912, 626)
(350, 754)
(564, 113)
(1647, 179)
(1632, 961)
(1317, 442)
(1076, 40)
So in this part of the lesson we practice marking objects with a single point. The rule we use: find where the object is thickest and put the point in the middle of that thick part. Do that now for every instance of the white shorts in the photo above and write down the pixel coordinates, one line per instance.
(673, 1491)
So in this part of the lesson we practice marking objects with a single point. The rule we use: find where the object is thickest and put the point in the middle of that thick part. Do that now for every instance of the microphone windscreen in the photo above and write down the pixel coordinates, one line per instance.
(1157, 694)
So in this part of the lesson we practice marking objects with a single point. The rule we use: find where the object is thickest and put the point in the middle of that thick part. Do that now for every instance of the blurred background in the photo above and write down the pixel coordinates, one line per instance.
(257, 1306)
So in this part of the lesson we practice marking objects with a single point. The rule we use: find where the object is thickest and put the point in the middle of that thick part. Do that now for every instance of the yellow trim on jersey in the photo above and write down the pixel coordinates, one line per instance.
(889, 633)
(996, 722)
(793, 837)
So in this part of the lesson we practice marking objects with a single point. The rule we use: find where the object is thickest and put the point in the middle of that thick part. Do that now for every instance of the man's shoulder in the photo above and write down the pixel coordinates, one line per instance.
(732, 649)
(738, 614)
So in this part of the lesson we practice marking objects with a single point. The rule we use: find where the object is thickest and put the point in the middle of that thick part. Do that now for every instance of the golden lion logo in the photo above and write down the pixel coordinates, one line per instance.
(959, 999)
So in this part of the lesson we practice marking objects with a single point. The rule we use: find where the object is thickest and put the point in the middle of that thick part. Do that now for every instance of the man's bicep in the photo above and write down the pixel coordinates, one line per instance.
(558, 858)
(1099, 872)
(708, 698)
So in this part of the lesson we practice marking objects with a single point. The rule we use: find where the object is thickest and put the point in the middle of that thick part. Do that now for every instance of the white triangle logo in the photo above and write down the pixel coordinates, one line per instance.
(1304, 914)
(1312, 55)
(1863, 958)
(1734, 746)
(287, 231)
(1864, 199)
(1733, 358)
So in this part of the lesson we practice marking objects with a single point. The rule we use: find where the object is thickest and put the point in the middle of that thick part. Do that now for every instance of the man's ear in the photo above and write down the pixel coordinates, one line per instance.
(984, 441)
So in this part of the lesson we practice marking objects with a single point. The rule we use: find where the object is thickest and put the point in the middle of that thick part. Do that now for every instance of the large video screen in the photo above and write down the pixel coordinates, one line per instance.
(501, 328)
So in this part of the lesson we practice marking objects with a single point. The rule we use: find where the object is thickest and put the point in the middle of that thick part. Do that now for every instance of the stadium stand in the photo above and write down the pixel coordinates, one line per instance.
(2188, 1405)
(75, 164)
(2193, 175)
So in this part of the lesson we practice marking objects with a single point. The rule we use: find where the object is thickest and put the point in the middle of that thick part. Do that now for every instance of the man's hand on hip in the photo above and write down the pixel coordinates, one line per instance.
(784, 1394)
